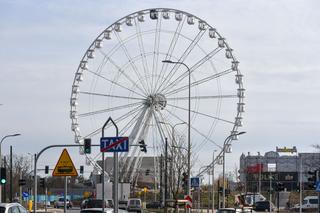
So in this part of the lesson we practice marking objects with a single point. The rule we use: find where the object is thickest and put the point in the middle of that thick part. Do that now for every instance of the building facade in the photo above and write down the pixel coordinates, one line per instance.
(259, 172)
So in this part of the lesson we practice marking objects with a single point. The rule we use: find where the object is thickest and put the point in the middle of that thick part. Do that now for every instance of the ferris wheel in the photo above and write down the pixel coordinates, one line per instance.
(136, 71)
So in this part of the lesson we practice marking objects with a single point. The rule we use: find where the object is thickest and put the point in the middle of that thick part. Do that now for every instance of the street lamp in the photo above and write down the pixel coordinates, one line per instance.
(232, 136)
(7, 136)
(166, 154)
(189, 107)
(213, 180)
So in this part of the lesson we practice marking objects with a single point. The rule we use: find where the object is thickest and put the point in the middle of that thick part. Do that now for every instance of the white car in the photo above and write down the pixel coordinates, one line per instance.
(135, 205)
(60, 203)
(99, 210)
(12, 208)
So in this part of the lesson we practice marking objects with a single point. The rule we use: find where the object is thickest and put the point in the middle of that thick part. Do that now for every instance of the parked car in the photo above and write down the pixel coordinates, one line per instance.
(309, 203)
(154, 205)
(263, 206)
(134, 204)
(226, 210)
(60, 203)
(83, 204)
(110, 203)
(99, 210)
(123, 204)
(12, 208)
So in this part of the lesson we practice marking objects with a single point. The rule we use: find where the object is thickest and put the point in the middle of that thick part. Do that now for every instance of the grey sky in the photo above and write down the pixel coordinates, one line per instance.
(276, 42)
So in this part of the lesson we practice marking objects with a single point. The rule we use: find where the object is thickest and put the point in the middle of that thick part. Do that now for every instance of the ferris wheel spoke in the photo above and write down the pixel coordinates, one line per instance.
(133, 120)
(115, 83)
(110, 109)
(111, 96)
(155, 58)
(201, 81)
(200, 113)
(185, 54)
(203, 97)
(159, 128)
(192, 69)
(172, 46)
(143, 53)
(134, 67)
(121, 71)
(195, 129)
(119, 119)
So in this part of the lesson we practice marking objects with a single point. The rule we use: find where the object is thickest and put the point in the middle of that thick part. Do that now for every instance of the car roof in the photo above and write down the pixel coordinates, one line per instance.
(6, 205)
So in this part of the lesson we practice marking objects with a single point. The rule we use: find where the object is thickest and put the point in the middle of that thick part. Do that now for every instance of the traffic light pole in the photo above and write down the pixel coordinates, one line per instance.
(36, 158)
(11, 176)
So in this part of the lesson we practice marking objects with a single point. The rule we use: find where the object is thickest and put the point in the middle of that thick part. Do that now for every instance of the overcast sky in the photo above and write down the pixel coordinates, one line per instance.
(276, 41)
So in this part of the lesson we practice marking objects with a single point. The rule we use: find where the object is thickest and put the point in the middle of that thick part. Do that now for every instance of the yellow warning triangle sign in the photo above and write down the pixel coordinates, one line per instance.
(65, 166)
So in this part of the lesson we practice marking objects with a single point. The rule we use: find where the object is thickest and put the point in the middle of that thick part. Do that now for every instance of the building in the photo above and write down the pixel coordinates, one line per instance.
(147, 175)
(257, 172)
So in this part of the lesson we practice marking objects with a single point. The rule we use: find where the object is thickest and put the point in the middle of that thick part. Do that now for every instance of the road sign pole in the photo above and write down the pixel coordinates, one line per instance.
(115, 170)
(65, 194)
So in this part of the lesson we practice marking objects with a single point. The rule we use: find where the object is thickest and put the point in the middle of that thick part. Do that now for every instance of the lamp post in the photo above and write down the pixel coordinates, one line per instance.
(224, 165)
(189, 107)
(172, 145)
(7, 136)
(213, 180)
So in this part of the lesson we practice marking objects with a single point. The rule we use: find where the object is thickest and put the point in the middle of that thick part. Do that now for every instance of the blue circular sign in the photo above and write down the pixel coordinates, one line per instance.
(25, 194)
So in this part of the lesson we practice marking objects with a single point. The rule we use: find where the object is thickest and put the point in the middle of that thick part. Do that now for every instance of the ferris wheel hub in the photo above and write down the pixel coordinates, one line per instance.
(158, 101)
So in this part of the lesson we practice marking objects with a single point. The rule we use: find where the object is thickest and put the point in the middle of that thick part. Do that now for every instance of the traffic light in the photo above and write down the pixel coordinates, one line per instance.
(280, 186)
(42, 182)
(184, 180)
(220, 190)
(46, 169)
(22, 182)
(143, 146)
(87, 145)
(3, 175)
(312, 179)
(147, 172)
(81, 169)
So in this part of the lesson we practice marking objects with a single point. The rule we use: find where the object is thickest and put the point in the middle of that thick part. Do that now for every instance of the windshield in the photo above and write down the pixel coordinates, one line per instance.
(313, 201)
(2, 209)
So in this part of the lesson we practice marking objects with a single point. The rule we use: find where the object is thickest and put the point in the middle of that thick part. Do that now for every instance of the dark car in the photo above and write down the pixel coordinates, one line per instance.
(262, 206)
(93, 203)
(154, 205)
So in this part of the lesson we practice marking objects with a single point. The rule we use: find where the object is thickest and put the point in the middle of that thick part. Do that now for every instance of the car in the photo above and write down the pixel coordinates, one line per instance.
(12, 208)
(83, 204)
(96, 203)
(60, 203)
(226, 210)
(245, 210)
(99, 210)
(263, 206)
(134, 204)
(123, 204)
(154, 205)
